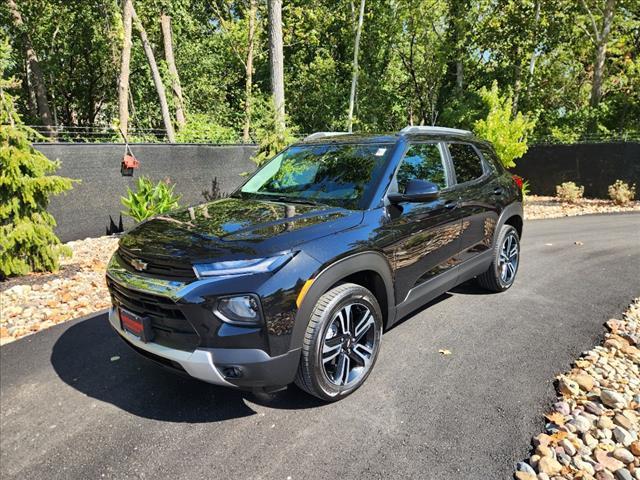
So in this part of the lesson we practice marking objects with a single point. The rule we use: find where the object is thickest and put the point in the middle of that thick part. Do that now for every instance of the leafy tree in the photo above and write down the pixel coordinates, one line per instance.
(507, 133)
(27, 240)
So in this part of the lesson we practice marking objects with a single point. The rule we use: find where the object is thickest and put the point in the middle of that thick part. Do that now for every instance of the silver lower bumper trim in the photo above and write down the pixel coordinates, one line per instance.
(199, 363)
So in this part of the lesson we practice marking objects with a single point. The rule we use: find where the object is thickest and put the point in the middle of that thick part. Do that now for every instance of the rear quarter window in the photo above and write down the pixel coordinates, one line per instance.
(466, 162)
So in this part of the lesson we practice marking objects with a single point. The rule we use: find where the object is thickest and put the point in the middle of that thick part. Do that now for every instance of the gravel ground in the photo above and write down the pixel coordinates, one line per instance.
(33, 302)
(537, 207)
(592, 431)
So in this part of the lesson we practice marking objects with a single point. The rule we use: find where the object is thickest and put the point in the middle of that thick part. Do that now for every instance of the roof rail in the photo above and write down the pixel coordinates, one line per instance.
(316, 135)
(434, 129)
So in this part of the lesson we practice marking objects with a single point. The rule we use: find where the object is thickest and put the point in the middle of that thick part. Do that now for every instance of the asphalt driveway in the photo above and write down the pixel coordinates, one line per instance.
(76, 403)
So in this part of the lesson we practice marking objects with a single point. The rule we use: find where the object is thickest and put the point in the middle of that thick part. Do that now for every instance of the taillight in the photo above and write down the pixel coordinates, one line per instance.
(518, 180)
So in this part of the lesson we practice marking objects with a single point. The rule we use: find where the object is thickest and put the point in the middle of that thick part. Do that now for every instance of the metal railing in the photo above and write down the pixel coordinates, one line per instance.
(108, 134)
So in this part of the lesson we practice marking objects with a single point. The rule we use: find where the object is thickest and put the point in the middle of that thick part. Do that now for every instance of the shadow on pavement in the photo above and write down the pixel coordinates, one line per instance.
(90, 357)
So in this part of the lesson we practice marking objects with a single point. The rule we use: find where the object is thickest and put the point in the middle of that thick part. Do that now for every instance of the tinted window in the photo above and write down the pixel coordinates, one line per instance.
(466, 162)
(423, 162)
(342, 175)
(490, 156)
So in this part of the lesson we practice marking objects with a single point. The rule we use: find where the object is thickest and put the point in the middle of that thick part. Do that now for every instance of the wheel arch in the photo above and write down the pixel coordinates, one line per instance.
(369, 269)
(511, 215)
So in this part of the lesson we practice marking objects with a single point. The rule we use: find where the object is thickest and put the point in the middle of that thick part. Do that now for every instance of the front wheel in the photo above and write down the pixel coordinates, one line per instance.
(506, 259)
(341, 343)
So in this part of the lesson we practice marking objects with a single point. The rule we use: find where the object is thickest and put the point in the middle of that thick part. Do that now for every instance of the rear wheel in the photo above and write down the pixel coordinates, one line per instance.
(506, 259)
(341, 343)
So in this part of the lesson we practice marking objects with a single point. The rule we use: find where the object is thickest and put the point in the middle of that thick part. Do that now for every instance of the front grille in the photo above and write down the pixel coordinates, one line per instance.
(170, 326)
(158, 268)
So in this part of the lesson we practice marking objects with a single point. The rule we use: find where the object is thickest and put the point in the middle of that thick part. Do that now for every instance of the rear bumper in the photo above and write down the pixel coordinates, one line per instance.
(238, 368)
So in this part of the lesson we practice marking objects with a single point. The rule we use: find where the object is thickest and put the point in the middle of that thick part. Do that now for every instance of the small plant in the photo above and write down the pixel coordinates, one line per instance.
(525, 190)
(569, 192)
(621, 193)
(149, 199)
(27, 240)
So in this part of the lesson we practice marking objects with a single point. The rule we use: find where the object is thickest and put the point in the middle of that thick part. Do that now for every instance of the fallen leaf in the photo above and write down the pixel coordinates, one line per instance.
(444, 351)
(548, 244)
(556, 417)
(578, 242)
(558, 436)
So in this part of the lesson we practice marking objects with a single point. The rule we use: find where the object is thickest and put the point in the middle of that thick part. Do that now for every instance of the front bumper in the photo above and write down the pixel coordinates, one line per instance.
(251, 368)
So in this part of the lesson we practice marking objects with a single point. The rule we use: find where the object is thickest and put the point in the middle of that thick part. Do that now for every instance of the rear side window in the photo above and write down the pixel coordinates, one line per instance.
(466, 162)
(422, 161)
(490, 156)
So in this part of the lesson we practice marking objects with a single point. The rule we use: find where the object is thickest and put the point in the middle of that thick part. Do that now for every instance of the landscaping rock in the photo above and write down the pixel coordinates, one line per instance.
(592, 432)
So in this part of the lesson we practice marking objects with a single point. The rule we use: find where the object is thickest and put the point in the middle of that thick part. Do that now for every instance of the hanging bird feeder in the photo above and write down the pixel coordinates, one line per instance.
(129, 162)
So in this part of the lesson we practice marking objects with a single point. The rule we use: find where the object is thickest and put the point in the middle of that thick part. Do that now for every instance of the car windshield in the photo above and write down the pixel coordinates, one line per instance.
(343, 175)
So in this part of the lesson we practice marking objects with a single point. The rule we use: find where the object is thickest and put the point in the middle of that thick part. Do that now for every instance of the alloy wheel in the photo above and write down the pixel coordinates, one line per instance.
(509, 258)
(350, 344)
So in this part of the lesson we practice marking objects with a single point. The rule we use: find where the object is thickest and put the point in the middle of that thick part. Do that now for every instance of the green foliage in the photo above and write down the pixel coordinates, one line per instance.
(508, 134)
(420, 62)
(526, 189)
(270, 140)
(27, 240)
(201, 128)
(569, 192)
(622, 193)
(149, 199)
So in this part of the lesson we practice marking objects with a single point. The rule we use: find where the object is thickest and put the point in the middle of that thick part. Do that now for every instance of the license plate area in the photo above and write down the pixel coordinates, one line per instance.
(136, 325)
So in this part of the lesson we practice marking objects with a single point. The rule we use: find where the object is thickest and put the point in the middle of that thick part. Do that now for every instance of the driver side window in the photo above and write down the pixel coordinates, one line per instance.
(422, 161)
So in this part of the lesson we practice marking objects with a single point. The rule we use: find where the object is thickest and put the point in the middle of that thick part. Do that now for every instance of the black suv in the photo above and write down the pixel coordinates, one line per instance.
(295, 276)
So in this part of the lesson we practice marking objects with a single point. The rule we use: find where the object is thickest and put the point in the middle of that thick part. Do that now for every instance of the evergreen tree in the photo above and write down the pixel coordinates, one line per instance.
(27, 240)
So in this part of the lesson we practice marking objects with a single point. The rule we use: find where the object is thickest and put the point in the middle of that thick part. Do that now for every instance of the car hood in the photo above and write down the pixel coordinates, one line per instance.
(234, 228)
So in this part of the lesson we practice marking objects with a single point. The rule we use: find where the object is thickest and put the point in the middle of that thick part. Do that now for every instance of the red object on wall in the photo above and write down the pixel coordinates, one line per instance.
(129, 163)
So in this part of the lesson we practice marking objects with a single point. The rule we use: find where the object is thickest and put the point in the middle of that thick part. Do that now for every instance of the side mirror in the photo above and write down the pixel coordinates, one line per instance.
(416, 191)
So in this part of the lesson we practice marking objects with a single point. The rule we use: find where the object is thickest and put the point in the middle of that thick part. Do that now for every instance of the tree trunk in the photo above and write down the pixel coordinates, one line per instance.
(517, 87)
(125, 61)
(253, 7)
(157, 79)
(277, 62)
(602, 37)
(459, 75)
(33, 65)
(167, 36)
(354, 78)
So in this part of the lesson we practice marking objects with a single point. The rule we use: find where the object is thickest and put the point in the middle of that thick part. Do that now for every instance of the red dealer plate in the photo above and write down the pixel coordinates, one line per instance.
(131, 322)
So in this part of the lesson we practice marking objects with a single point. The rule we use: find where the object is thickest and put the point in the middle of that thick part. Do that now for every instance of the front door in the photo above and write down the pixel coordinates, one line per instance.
(426, 233)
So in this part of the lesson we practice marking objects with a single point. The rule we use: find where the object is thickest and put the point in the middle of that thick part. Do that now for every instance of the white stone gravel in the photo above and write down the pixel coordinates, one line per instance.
(594, 427)
(36, 301)
(539, 207)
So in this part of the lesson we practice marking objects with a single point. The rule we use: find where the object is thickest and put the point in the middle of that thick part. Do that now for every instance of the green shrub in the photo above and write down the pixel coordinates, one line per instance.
(204, 129)
(149, 199)
(508, 135)
(621, 193)
(569, 192)
(27, 240)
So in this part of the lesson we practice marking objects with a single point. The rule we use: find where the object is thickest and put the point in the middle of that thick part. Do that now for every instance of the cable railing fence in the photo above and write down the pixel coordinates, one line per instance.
(109, 134)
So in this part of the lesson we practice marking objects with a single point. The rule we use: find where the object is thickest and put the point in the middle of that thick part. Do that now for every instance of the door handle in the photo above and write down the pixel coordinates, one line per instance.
(498, 191)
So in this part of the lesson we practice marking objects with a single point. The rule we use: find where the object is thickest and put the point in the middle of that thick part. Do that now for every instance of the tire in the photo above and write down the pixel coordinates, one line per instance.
(494, 279)
(327, 349)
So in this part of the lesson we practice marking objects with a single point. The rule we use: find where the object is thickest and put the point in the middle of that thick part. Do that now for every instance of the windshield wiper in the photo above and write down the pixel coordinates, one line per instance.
(303, 201)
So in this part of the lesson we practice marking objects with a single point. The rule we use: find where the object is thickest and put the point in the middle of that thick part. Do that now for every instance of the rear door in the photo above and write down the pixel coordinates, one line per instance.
(478, 193)
(426, 233)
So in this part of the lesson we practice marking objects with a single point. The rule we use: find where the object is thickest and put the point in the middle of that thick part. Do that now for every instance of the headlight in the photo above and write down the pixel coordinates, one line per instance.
(240, 309)
(241, 267)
